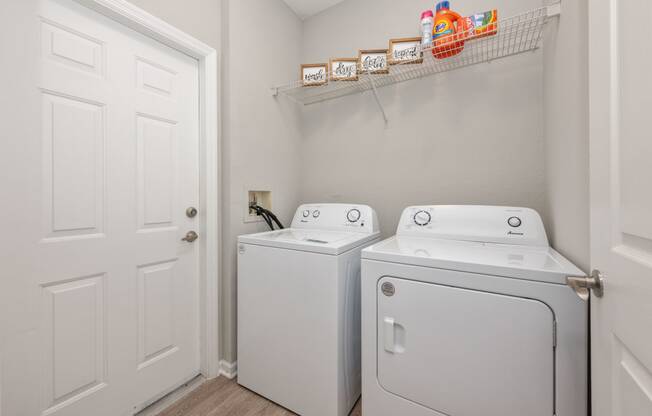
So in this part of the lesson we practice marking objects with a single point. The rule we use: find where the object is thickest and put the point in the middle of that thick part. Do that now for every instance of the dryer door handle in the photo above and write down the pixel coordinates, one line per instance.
(393, 336)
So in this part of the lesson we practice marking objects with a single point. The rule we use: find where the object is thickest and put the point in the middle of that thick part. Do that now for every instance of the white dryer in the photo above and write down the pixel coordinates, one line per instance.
(299, 309)
(466, 312)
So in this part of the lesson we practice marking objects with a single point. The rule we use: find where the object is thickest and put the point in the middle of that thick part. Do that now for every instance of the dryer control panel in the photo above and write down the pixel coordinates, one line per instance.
(341, 217)
(490, 224)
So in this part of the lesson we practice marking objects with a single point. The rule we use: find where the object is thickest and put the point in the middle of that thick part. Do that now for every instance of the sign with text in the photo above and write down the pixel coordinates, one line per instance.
(344, 69)
(373, 61)
(314, 74)
(405, 51)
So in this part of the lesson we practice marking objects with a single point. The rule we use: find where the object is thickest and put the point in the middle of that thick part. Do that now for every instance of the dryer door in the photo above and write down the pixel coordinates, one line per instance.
(463, 352)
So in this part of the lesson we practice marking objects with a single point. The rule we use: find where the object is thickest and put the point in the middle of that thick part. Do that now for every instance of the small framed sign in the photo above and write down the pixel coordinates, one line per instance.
(373, 61)
(405, 51)
(314, 74)
(344, 69)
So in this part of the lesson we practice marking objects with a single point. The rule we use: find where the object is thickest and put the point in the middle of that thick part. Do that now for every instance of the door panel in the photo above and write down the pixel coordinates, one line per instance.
(155, 78)
(635, 101)
(155, 313)
(75, 338)
(464, 352)
(621, 229)
(73, 49)
(73, 166)
(156, 171)
(633, 394)
(104, 292)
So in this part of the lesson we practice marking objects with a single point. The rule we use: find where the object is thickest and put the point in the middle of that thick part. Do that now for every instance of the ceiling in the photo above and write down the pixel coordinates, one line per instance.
(307, 8)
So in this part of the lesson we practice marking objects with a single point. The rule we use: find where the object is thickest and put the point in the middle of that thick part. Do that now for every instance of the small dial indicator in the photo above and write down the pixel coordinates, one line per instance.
(353, 215)
(514, 222)
(422, 218)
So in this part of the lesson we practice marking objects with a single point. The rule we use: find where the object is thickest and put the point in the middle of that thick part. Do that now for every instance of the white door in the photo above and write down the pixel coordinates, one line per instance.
(621, 206)
(101, 291)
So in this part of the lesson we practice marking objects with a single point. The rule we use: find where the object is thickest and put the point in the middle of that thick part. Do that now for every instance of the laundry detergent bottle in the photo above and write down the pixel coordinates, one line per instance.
(448, 34)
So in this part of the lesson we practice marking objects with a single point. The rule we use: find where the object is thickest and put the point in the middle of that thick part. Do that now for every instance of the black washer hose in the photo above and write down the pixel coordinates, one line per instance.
(267, 215)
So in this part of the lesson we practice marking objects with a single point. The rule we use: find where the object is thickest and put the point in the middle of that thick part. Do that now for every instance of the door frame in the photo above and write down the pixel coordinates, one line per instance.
(139, 20)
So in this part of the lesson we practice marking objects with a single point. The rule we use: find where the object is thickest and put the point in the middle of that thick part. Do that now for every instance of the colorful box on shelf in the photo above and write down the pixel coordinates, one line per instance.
(481, 24)
(452, 35)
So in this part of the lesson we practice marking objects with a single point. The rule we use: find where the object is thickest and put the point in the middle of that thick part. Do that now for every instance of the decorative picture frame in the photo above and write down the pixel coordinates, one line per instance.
(405, 51)
(343, 69)
(373, 61)
(314, 75)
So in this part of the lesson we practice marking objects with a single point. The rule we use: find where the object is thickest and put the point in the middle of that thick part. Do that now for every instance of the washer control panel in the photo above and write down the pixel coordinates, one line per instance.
(490, 224)
(344, 217)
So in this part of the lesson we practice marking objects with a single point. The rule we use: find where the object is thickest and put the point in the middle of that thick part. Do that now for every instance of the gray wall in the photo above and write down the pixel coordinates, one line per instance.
(567, 132)
(199, 18)
(261, 141)
(472, 136)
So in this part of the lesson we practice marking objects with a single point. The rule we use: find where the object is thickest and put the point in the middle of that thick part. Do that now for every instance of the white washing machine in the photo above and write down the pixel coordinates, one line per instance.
(466, 312)
(299, 309)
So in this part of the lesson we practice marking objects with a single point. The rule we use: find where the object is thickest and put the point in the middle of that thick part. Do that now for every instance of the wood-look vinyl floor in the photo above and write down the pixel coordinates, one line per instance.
(224, 397)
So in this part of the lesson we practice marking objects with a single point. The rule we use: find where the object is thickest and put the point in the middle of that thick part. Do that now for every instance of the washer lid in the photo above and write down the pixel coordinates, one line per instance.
(522, 262)
(316, 241)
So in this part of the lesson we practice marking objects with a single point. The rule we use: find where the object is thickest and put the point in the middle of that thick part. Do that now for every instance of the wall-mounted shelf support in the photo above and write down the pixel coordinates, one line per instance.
(515, 35)
(380, 104)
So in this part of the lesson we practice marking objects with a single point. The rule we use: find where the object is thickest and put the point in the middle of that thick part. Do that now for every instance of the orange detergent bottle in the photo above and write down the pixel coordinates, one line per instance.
(448, 34)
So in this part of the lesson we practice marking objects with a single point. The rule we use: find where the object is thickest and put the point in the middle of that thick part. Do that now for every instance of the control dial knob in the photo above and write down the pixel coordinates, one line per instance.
(353, 215)
(306, 213)
(514, 222)
(422, 218)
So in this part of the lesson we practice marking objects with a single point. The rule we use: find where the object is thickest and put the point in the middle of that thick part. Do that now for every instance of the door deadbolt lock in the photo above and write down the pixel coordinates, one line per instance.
(582, 285)
(190, 237)
(191, 212)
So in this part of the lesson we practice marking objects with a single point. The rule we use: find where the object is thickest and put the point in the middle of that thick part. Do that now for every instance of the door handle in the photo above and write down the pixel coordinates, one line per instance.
(393, 336)
(583, 285)
(190, 237)
(389, 334)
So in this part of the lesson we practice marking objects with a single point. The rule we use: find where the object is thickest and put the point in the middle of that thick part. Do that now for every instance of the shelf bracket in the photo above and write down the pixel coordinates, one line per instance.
(554, 9)
(380, 105)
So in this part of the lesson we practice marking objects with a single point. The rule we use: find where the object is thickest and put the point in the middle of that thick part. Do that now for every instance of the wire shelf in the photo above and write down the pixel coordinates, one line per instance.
(515, 35)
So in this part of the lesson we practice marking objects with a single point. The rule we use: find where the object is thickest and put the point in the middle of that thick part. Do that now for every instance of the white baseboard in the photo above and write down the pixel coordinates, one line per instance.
(228, 370)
